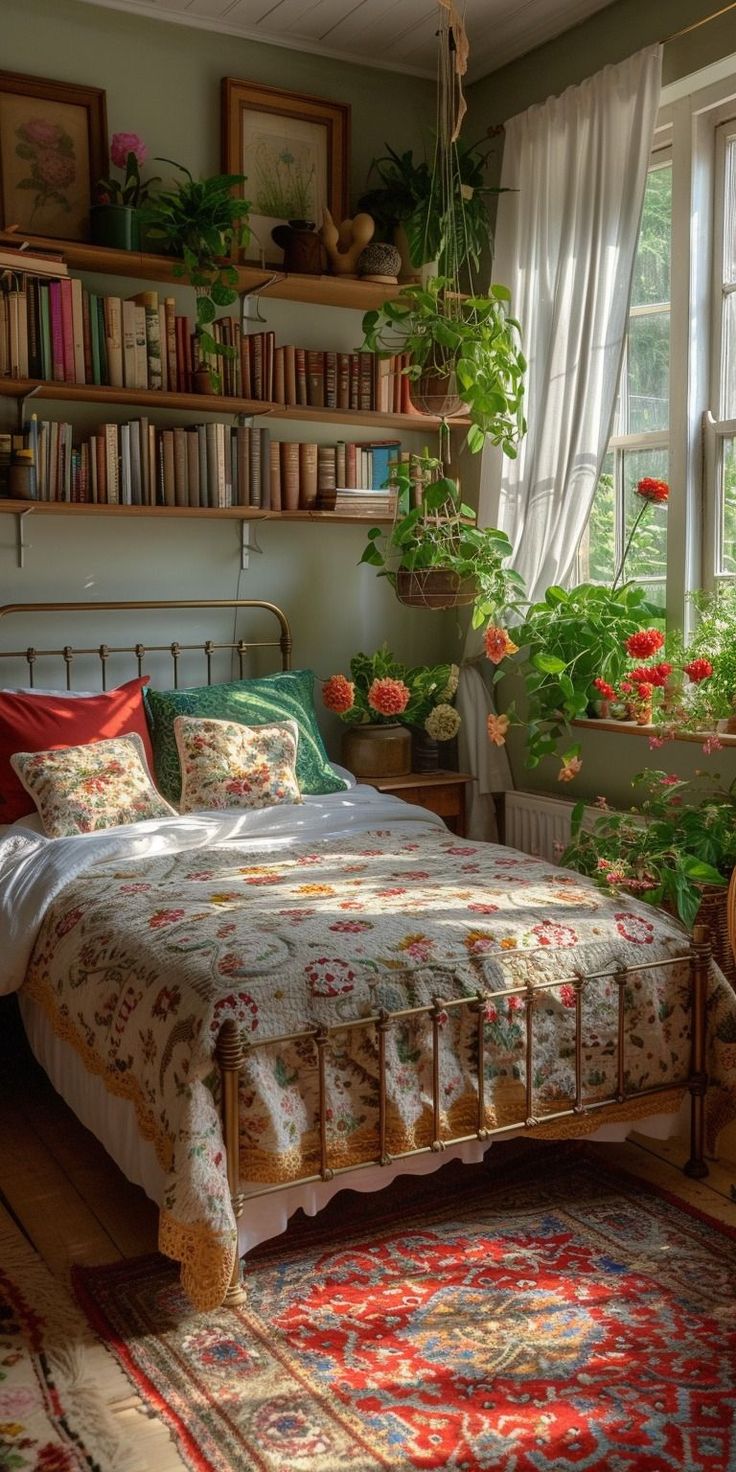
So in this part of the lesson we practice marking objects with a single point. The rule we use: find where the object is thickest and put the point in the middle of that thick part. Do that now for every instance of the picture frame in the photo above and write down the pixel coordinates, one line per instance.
(53, 149)
(295, 152)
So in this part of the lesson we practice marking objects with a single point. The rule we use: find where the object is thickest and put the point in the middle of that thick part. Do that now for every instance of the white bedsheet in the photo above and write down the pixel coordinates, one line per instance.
(34, 869)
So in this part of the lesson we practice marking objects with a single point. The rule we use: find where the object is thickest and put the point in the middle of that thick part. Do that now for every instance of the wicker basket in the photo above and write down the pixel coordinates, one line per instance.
(718, 912)
(434, 587)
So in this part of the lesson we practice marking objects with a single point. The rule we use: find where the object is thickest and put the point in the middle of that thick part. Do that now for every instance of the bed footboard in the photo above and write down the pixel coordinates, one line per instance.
(230, 1056)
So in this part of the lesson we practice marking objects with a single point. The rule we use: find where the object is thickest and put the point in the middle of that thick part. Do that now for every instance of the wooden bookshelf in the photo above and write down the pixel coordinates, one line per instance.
(325, 291)
(148, 398)
(213, 513)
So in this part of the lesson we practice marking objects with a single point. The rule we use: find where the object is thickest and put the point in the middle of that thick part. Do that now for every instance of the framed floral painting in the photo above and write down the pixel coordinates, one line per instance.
(293, 149)
(53, 148)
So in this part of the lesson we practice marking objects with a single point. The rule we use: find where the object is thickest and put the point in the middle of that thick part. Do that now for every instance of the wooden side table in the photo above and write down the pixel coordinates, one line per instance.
(441, 792)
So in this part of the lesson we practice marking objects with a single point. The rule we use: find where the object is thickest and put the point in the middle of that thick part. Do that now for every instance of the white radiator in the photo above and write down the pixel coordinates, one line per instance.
(538, 824)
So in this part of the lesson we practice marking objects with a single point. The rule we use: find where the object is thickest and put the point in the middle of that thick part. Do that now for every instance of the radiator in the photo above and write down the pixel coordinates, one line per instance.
(538, 824)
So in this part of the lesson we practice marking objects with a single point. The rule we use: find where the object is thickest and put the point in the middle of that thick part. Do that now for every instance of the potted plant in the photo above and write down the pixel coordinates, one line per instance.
(434, 555)
(676, 847)
(203, 221)
(578, 646)
(383, 703)
(405, 207)
(465, 355)
(705, 699)
(115, 217)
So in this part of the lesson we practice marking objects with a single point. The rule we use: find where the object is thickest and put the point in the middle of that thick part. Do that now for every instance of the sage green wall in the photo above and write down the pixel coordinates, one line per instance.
(163, 80)
(607, 37)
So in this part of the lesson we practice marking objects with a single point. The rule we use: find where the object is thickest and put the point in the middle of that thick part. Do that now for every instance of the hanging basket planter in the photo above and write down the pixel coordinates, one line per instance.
(437, 394)
(434, 587)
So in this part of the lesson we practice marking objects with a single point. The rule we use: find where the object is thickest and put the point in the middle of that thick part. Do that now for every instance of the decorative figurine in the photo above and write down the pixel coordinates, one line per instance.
(344, 246)
(380, 262)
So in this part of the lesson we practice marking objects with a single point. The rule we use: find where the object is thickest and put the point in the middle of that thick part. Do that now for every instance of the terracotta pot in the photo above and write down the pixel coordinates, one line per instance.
(437, 394)
(435, 587)
(377, 751)
(202, 381)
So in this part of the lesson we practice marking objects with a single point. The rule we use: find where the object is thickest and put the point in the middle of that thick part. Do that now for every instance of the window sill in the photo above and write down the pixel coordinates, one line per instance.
(630, 728)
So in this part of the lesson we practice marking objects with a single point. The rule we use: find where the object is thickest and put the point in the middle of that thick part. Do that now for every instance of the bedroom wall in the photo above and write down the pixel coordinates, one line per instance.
(163, 81)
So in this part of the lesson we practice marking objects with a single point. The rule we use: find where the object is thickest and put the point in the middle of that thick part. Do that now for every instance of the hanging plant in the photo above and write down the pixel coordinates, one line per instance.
(434, 554)
(465, 351)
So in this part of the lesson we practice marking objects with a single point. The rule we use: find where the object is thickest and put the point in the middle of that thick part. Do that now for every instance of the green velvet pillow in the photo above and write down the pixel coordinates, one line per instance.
(250, 703)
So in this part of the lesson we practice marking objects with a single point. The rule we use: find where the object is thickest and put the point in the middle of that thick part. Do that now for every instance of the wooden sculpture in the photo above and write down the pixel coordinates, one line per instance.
(345, 245)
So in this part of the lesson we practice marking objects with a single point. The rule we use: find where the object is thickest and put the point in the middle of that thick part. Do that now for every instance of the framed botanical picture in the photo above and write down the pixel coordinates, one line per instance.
(294, 151)
(53, 149)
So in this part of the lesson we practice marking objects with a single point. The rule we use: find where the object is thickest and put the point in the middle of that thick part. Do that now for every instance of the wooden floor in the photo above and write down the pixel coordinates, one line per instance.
(72, 1203)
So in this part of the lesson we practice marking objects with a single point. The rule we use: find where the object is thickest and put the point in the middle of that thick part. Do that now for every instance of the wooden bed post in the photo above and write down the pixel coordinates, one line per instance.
(700, 954)
(229, 1055)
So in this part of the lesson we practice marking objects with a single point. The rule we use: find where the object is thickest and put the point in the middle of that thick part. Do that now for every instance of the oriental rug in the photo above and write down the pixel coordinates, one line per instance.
(56, 1384)
(551, 1315)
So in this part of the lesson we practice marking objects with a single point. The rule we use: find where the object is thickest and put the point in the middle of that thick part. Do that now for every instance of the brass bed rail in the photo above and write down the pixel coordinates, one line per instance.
(231, 1053)
(68, 653)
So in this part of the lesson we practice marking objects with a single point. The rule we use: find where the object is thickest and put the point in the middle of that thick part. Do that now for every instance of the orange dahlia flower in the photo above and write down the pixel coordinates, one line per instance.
(497, 727)
(338, 694)
(388, 697)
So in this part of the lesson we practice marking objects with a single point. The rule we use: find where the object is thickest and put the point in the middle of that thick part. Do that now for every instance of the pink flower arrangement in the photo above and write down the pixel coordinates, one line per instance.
(127, 152)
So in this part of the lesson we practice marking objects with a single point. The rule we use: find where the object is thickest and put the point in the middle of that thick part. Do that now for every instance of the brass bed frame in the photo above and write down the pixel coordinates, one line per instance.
(230, 1052)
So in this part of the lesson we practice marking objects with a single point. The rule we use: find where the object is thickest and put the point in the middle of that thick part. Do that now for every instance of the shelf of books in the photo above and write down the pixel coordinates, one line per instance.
(325, 291)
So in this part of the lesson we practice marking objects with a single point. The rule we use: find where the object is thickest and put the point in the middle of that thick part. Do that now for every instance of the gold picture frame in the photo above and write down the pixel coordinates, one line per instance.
(53, 149)
(294, 150)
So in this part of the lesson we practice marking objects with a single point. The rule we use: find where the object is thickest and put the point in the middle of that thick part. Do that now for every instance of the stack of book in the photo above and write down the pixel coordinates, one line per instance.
(210, 465)
(52, 328)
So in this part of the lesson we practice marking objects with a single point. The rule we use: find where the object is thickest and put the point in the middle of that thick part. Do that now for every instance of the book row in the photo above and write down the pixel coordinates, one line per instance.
(58, 331)
(208, 465)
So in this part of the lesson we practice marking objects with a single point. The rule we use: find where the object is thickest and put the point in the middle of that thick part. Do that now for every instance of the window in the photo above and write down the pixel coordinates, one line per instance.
(639, 445)
(677, 394)
(721, 440)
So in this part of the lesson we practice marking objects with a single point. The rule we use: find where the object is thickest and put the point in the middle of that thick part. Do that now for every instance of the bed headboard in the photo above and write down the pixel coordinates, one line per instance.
(67, 653)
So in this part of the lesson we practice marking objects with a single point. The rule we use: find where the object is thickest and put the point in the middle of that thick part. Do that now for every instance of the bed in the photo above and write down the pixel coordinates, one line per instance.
(251, 1010)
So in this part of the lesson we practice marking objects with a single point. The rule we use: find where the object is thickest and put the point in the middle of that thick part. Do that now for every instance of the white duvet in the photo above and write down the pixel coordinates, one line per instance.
(34, 869)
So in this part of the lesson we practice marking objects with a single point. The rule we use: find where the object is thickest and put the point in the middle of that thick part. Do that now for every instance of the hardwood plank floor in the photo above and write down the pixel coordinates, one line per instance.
(75, 1206)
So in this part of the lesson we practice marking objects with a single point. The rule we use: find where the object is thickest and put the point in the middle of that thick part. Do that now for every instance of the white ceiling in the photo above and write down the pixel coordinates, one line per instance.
(399, 34)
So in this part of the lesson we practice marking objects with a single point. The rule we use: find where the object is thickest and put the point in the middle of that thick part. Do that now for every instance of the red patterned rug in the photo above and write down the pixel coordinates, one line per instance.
(551, 1316)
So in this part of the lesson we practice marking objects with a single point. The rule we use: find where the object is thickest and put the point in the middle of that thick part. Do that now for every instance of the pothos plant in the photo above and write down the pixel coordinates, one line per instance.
(202, 221)
(473, 338)
(440, 533)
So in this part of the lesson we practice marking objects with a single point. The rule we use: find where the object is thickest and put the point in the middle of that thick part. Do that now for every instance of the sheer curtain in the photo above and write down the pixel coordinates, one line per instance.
(566, 241)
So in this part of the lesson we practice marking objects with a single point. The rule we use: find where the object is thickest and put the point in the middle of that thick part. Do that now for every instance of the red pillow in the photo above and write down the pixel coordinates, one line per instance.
(42, 722)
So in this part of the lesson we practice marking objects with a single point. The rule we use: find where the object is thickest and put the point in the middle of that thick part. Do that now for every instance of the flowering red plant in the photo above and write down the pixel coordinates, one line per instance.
(388, 697)
(656, 491)
(644, 643)
(697, 670)
(651, 492)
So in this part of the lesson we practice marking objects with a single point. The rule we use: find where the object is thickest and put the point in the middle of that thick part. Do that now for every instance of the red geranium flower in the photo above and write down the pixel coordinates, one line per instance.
(697, 670)
(605, 690)
(651, 674)
(653, 490)
(644, 643)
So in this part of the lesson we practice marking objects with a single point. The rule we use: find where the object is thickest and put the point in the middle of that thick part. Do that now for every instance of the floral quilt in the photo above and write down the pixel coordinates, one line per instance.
(140, 961)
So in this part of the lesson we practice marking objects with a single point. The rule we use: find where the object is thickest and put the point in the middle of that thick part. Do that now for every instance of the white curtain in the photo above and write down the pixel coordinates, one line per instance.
(566, 240)
(565, 245)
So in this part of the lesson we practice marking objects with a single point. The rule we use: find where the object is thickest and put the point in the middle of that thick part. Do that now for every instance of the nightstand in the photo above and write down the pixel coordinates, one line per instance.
(440, 792)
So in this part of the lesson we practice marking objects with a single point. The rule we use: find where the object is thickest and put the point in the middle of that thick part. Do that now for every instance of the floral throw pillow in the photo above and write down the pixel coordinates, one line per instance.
(80, 789)
(226, 765)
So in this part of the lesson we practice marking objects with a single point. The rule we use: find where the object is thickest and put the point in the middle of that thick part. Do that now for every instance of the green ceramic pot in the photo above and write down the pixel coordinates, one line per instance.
(116, 226)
